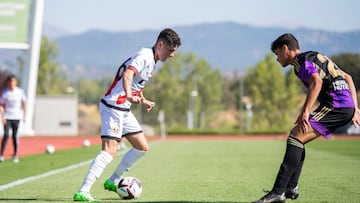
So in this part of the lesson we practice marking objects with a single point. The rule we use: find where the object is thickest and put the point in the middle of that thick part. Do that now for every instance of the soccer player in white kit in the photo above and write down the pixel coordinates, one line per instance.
(116, 117)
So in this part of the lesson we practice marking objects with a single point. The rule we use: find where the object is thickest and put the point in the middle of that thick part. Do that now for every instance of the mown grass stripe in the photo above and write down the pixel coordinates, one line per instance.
(44, 175)
(53, 172)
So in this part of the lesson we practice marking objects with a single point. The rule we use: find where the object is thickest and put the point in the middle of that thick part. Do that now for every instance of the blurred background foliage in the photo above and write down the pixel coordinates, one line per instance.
(266, 99)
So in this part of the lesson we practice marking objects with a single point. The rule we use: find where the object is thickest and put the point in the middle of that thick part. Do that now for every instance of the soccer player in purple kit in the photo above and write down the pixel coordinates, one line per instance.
(336, 95)
(117, 119)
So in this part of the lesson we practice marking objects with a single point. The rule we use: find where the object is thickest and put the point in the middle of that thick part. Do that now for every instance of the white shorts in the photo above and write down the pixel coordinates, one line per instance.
(116, 124)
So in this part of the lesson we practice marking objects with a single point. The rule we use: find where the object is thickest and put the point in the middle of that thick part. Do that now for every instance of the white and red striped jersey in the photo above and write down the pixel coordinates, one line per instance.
(143, 64)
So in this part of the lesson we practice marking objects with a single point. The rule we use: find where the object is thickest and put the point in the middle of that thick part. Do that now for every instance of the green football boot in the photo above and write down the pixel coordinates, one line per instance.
(108, 185)
(84, 197)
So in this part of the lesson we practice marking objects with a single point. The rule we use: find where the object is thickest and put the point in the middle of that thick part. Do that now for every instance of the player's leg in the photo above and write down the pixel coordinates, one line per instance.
(291, 166)
(324, 120)
(292, 190)
(111, 130)
(139, 149)
(4, 141)
(140, 146)
(103, 158)
(291, 163)
(14, 126)
(97, 166)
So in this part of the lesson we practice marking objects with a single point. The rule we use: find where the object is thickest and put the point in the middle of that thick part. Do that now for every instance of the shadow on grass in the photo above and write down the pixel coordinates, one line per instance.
(103, 200)
(34, 200)
(171, 201)
(185, 202)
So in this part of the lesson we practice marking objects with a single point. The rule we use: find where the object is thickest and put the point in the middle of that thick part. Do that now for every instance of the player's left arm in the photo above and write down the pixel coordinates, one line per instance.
(149, 104)
(2, 113)
(24, 109)
(349, 80)
(128, 77)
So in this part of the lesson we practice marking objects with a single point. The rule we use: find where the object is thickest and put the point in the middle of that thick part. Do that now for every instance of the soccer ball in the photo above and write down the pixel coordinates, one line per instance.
(129, 188)
(50, 149)
(86, 143)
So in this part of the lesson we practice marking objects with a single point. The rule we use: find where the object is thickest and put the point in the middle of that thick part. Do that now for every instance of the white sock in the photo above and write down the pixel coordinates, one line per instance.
(126, 163)
(96, 168)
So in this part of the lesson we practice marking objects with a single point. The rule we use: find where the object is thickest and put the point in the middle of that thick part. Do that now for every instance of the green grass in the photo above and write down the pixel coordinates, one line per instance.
(36, 164)
(197, 171)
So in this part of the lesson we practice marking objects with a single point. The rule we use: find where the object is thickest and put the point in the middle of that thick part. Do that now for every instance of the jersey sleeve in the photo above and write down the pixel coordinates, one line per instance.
(137, 63)
(307, 70)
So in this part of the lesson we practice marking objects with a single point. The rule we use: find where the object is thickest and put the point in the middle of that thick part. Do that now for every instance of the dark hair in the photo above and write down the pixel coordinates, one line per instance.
(10, 77)
(286, 39)
(169, 37)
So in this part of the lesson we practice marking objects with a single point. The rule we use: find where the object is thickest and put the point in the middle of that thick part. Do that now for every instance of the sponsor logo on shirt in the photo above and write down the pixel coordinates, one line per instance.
(340, 85)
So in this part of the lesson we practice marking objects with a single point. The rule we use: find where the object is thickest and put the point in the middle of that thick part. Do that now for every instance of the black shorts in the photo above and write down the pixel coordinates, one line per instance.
(325, 120)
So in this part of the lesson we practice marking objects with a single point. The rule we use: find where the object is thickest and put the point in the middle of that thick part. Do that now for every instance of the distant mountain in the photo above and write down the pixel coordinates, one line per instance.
(226, 46)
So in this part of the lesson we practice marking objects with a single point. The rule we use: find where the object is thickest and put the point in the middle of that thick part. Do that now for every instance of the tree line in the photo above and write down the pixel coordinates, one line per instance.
(190, 92)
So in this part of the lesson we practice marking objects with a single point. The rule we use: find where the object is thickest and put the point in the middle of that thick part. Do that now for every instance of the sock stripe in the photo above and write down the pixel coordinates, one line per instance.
(295, 142)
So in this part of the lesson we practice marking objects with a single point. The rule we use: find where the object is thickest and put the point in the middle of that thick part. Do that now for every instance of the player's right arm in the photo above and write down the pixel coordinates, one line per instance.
(127, 82)
(2, 113)
(314, 88)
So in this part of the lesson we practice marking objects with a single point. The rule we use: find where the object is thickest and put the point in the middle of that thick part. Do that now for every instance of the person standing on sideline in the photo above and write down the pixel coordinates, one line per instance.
(117, 119)
(12, 110)
(336, 94)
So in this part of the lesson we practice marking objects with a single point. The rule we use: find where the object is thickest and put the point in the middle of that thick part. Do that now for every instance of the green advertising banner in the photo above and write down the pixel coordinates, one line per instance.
(14, 21)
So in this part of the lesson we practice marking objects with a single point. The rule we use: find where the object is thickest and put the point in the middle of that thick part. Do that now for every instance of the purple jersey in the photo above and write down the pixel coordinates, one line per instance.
(335, 90)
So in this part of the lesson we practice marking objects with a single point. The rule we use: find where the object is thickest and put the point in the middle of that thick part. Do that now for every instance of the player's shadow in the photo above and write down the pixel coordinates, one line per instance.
(103, 200)
(187, 202)
(167, 201)
(34, 200)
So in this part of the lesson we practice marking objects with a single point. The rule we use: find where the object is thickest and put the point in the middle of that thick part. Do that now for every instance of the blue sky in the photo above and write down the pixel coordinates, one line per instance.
(76, 16)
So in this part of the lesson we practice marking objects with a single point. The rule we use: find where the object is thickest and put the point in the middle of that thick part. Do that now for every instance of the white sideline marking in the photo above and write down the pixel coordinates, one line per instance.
(53, 172)
(43, 175)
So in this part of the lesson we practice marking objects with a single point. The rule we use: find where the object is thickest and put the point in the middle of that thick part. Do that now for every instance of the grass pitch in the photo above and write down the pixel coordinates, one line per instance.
(195, 171)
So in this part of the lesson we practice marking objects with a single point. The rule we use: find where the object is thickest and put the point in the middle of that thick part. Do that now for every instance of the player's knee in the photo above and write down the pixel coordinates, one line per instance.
(141, 147)
(112, 152)
(295, 132)
(144, 148)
